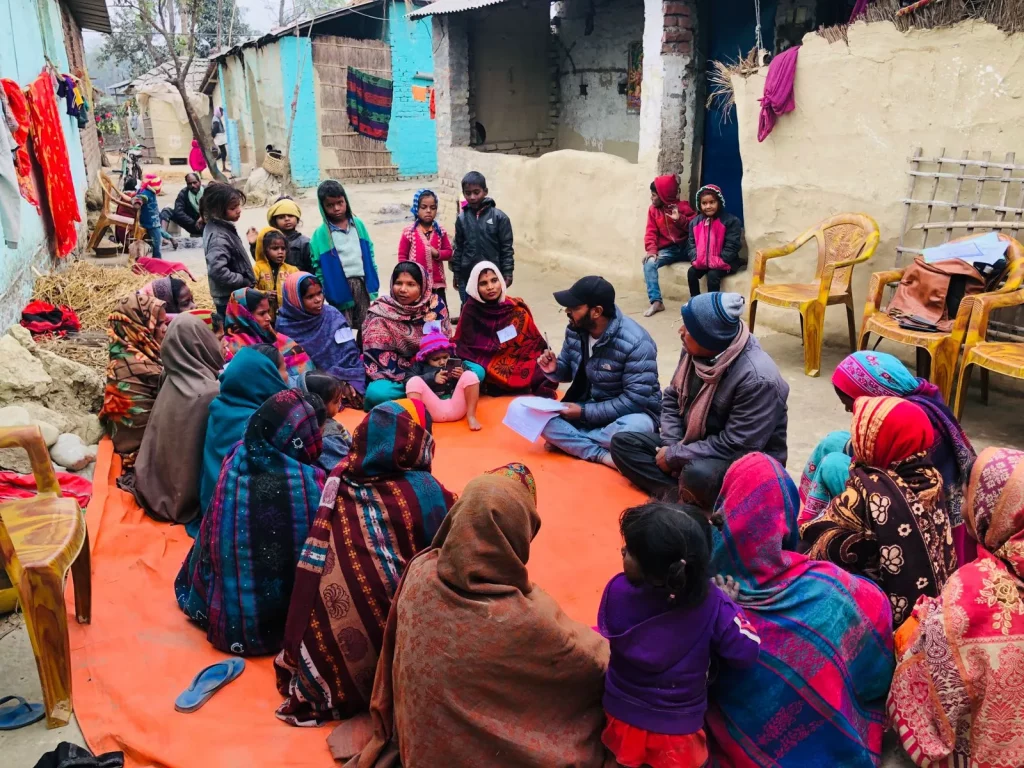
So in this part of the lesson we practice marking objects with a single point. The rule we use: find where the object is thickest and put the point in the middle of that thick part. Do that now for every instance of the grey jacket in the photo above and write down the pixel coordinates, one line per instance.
(749, 404)
(622, 371)
(228, 266)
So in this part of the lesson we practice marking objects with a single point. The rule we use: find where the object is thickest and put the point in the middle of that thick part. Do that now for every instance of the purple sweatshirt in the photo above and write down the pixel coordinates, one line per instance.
(657, 677)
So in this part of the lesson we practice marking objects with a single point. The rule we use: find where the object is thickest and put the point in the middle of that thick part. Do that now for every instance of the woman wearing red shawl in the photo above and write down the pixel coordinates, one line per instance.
(497, 332)
(248, 322)
(957, 698)
(380, 507)
(480, 667)
(817, 693)
(890, 522)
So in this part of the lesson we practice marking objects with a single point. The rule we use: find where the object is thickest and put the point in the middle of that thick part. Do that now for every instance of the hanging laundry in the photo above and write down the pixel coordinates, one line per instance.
(51, 151)
(67, 90)
(778, 96)
(10, 200)
(369, 104)
(22, 160)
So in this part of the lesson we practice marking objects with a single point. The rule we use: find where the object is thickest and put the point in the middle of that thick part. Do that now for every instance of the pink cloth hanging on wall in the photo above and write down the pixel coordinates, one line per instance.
(778, 96)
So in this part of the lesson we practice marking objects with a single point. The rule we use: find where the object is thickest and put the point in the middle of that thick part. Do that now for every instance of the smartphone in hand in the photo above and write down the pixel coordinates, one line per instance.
(453, 363)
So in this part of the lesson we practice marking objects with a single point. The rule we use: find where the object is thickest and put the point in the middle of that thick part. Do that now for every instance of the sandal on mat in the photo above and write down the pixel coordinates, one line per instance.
(207, 683)
(19, 715)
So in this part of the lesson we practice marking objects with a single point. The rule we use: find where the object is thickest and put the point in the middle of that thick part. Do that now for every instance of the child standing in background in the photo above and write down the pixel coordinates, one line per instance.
(656, 689)
(285, 215)
(668, 222)
(482, 233)
(149, 211)
(228, 266)
(426, 242)
(716, 237)
(270, 250)
(342, 255)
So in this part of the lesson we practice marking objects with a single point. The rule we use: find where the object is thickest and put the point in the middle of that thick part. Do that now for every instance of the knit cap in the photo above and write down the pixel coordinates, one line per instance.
(434, 340)
(713, 319)
(152, 181)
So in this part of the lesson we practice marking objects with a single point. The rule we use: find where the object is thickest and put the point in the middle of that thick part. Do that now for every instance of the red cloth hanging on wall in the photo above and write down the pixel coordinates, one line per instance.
(22, 159)
(51, 150)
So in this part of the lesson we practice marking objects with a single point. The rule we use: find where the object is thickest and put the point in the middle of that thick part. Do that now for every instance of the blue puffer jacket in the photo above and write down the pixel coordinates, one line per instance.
(622, 371)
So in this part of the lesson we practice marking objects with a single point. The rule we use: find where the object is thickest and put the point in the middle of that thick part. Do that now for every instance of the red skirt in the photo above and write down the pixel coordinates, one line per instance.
(635, 747)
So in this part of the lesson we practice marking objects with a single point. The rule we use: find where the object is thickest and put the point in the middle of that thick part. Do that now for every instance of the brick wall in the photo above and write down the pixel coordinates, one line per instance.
(679, 104)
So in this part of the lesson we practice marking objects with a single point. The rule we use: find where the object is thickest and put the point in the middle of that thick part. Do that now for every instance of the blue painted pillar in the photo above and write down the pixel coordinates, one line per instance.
(304, 151)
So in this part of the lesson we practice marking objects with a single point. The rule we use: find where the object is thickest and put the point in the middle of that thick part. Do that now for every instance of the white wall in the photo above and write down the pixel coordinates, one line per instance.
(598, 122)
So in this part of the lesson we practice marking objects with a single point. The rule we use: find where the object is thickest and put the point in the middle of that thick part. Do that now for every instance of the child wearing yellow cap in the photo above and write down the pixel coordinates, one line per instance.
(286, 216)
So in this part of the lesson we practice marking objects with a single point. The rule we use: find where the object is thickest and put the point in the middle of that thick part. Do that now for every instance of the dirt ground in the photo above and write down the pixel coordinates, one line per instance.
(814, 409)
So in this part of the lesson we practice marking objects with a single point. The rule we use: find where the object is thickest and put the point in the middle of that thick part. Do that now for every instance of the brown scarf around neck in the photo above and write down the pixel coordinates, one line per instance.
(711, 373)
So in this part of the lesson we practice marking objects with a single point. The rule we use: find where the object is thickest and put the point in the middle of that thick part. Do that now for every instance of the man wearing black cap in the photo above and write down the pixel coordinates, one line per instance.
(727, 399)
(612, 363)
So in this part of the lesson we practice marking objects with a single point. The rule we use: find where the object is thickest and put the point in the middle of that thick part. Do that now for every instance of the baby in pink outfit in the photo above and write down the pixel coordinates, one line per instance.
(449, 392)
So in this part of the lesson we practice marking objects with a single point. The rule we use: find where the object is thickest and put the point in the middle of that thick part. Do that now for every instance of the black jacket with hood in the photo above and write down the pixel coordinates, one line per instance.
(483, 235)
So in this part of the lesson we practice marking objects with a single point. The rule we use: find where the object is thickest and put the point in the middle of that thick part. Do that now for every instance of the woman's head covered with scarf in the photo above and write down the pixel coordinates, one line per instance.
(473, 283)
(877, 374)
(393, 438)
(994, 509)
(887, 430)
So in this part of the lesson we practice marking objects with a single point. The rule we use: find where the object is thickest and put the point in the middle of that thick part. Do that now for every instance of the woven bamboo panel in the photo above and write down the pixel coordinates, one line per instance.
(359, 157)
(949, 196)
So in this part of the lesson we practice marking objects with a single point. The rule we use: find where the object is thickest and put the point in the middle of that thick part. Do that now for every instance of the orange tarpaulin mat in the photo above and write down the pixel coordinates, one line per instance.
(140, 651)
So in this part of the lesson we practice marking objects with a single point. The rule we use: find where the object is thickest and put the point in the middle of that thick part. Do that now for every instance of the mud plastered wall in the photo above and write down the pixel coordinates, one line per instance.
(860, 111)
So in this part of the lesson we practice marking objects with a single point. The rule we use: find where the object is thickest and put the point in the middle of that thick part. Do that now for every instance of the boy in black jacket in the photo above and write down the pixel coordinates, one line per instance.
(482, 233)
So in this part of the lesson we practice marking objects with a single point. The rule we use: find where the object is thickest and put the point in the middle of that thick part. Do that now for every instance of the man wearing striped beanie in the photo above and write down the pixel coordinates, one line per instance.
(727, 399)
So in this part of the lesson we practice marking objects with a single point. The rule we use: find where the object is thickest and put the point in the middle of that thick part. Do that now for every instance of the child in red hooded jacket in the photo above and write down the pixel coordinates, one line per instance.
(668, 221)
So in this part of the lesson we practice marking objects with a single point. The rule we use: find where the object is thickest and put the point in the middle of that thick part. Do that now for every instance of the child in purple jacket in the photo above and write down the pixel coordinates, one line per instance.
(664, 619)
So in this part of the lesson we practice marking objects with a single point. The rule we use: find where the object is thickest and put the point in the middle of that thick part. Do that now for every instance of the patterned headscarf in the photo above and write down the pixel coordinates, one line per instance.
(520, 473)
(826, 651)
(237, 580)
(168, 290)
(888, 430)
(994, 512)
(242, 330)
(420, 194)
(874, 374)
(394, 437)
(133, 374)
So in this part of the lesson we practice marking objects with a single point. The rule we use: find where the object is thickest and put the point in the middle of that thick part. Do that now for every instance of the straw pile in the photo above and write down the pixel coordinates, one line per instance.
(95, 357)
(93, 291)
(1008, 15)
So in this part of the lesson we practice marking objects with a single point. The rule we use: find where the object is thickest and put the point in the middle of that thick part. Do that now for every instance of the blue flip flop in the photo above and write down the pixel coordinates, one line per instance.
(20, 715)
(207, 683)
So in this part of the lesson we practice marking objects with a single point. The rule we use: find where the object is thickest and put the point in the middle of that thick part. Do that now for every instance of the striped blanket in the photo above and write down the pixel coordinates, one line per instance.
(369, 104)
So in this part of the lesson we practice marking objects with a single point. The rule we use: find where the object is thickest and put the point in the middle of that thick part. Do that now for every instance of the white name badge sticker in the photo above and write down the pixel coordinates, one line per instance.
(342, 335)
(507, 333)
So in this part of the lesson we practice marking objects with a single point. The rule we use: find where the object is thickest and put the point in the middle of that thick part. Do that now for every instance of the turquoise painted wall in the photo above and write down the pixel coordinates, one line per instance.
(412, 138)
(304, 150)
(30, 31)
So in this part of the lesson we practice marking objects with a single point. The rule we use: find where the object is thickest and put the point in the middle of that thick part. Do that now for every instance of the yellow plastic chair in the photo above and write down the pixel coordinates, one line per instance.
(939, 350)
(843, 241)
(1005, 357)
(41, 538)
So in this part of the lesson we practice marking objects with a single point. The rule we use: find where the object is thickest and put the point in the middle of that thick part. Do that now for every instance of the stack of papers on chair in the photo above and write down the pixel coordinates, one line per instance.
(984, 249)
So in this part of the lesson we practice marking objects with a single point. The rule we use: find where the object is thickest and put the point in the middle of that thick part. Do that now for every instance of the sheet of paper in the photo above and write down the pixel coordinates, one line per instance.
(342, 335)
(525, 420)
(507, 333)
(543, 404)
(987, 249)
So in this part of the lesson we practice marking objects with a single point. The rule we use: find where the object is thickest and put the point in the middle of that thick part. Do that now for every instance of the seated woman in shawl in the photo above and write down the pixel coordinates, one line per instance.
(497, 332)
(255, 374)
(174, 293)
(509, 679)
(269, 250)
(956, 696)
(247, 322)
(878, 374)
(817, 693)
(890, 521)
(379, 508)
(237, 579)
(171, 457)
(135, 329)
(323, 332)
(393, 329)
